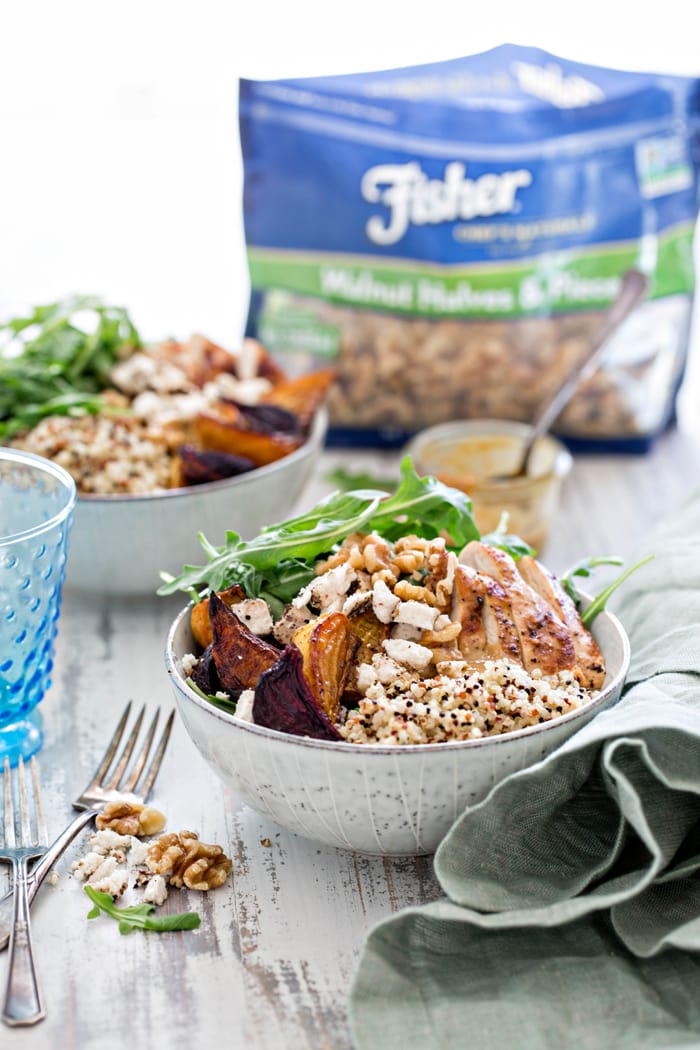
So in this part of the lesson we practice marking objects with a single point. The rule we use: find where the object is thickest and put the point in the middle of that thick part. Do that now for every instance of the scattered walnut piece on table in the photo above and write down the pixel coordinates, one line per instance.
(188, 861)
(130, 818)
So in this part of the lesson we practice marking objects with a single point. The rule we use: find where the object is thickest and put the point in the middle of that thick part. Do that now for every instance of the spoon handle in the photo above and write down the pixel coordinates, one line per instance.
(634, 285)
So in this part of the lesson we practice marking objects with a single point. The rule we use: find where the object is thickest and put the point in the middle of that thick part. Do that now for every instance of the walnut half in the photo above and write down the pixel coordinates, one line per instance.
(130, 818)
(189, 862)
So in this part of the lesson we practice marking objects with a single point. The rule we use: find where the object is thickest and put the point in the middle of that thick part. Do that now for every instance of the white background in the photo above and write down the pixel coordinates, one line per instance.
(120, 172)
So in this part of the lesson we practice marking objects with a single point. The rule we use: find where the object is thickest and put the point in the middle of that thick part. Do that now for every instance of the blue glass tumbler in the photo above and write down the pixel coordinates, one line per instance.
(37, 499)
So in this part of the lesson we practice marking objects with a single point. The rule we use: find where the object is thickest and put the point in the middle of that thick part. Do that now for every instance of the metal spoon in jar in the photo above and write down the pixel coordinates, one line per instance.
(634, 285)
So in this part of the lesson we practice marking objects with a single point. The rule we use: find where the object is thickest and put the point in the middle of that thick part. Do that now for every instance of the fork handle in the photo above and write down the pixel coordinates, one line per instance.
(40, 871)
(23, 999)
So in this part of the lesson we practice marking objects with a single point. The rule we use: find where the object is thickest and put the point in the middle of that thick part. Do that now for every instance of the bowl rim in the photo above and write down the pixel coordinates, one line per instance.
(344, 747)
(314, 438)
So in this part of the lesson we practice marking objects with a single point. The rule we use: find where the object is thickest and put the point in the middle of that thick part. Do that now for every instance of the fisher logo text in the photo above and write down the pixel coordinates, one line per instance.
(413, 199)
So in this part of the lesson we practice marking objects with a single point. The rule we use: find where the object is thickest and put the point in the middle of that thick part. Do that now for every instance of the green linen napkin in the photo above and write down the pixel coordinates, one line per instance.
(572, 909)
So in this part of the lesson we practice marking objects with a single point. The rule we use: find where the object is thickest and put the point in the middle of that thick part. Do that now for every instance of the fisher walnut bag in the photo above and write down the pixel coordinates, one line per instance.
(446, 237)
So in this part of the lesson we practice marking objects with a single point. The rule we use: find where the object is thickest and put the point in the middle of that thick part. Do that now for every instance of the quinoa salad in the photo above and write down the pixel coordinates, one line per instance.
(400, 643)
(175, 415)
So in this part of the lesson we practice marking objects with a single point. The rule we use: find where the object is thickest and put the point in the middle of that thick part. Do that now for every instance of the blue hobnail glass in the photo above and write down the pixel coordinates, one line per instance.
(37, 499)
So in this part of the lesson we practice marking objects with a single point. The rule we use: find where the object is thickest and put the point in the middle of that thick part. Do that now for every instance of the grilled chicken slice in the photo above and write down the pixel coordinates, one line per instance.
(545, 641)
(482, 607)
(589, 659)
(467, 609)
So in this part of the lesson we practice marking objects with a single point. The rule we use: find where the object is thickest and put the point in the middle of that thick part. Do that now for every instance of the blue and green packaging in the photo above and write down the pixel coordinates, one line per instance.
(447, 236)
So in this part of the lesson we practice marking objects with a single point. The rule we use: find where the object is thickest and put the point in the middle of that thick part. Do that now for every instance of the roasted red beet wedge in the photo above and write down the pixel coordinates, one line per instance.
(199, 466)
(284, 701)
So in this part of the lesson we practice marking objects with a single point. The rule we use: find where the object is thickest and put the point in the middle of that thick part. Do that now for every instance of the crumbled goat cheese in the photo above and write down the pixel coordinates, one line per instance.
(290, 621)
(113, 862)
(416, 614)
(384, 602)
(164, 409)
(333, 585)
(409, 653)
(387, 670)
(327, 591)
(87, 865)
(141, 372)
(360, 601)
(244, 705)
(188, 663)
(156, 891)
(244, 391)
(255, 614)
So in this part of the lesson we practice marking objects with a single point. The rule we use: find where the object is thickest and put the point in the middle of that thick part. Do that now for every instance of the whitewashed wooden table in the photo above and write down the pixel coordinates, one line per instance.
(271, 965)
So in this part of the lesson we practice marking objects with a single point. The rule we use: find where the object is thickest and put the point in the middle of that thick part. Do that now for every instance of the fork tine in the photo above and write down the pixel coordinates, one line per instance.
(25, 829)
(111, 747)
(144, 789)
(9, 821)
(126, 753)
(129, 784)
(41, 830)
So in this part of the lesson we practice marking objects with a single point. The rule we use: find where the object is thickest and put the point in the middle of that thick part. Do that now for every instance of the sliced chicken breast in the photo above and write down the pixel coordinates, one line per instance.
(589, 659)
(545, 641)
(481, 605)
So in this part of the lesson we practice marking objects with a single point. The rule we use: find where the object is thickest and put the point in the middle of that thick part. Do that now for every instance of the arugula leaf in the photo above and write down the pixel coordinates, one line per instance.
(139, 916)
(279, 560)
(345, 480)
(508, 541)
(599, 602)
(585, 568)
(57, 360)
(224, 702)
(426, 507)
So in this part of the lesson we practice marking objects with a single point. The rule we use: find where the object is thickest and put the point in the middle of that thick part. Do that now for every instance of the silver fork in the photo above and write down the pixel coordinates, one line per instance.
(106, 785)
(23, 1000)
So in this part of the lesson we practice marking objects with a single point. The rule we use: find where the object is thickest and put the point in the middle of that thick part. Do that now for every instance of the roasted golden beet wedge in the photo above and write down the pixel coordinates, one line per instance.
(239, 655)
(370, 634)
(200, 620)
(328, 647)
(221, 435)
(302, 396)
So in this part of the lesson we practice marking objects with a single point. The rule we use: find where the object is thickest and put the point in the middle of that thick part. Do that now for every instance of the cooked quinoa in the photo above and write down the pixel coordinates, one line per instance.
(104, 454)
(131, 448)
(498, 697)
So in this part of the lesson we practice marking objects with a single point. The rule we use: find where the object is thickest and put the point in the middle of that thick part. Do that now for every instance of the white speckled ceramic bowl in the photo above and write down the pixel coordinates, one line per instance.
(391, 801)
(120, 544)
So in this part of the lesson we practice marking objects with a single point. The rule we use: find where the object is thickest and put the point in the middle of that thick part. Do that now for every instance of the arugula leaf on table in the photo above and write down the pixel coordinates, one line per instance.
(139, 916)
(57, 360)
